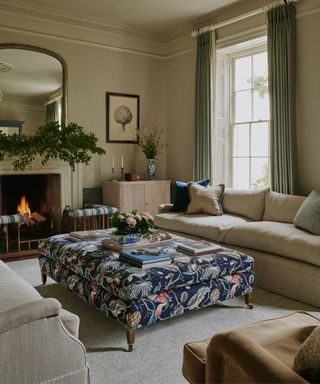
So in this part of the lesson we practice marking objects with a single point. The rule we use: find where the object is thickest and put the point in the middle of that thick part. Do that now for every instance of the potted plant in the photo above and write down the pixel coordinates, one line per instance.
(131, 226)
(149, 142)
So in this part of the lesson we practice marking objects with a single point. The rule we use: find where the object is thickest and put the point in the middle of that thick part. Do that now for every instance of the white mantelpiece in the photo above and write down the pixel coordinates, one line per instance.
(71, 182)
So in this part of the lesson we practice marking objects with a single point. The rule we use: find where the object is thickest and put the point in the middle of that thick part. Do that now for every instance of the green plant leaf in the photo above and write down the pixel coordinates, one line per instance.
(52, 141)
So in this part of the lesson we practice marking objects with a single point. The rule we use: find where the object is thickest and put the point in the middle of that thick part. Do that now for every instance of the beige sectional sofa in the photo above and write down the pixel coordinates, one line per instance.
(38, 339)
(260, 223)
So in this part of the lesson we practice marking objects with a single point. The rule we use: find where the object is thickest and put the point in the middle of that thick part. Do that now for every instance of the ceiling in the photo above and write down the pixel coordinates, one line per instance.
(150, 16)
(33, 74)
(37, 74)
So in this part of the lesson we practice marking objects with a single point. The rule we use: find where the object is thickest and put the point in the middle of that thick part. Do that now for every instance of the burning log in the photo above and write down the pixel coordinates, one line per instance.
(37, 217)
(34, 219)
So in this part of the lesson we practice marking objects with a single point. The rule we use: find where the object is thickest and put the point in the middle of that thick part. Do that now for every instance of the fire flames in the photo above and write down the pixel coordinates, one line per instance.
(24, 208)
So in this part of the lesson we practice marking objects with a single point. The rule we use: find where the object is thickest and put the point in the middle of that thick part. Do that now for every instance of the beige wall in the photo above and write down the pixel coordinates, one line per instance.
(163, 76)
(308, 101)
(94, 69)
(180, 115)
(180, 96)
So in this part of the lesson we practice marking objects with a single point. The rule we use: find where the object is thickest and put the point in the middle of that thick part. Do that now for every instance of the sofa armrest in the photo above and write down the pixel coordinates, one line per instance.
(28, 312)
(162, 208)
(249, 356)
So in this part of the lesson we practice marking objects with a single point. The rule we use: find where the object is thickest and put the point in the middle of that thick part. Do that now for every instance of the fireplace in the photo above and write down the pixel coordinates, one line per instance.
(38, 198)
(66, 189)
(42, 193)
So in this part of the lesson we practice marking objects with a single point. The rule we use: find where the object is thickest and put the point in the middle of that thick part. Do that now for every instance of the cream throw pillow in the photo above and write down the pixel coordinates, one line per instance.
(307, 360)
(205, 199)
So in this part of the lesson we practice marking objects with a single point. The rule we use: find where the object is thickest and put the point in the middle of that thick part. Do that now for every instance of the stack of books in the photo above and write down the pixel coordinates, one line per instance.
(198, 248)
(145, 258)
(90, 235)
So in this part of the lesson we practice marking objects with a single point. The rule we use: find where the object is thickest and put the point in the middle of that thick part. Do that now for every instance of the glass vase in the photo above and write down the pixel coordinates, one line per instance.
(151, 169)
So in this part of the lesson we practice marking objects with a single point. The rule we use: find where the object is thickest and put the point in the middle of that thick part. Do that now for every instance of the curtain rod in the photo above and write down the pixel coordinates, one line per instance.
(255, 12)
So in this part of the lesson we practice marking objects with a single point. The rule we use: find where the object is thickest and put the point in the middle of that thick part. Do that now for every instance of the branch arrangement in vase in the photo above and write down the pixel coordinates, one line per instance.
(149, 142)
(52, 141)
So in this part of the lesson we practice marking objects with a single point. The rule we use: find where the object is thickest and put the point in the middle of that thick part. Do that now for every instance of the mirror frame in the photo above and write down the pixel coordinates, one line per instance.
(63, 63)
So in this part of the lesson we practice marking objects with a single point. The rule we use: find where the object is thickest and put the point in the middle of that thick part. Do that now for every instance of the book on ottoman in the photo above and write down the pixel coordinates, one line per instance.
(147, 259)
(156, 239)
(91, 234)
(198, 248)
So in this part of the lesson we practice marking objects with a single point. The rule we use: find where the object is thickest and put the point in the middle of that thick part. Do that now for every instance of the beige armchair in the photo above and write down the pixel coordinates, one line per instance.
(38, 339)
(259, 353)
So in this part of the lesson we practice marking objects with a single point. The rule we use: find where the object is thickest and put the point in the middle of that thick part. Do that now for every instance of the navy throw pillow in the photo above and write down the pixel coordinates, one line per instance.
(181, 197)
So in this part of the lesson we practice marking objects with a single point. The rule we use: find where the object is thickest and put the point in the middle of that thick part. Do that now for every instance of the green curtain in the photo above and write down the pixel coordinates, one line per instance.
(281, 59)
(203, 106)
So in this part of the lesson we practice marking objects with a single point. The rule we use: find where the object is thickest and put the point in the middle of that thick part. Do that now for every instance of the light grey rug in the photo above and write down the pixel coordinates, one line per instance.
(157, 355)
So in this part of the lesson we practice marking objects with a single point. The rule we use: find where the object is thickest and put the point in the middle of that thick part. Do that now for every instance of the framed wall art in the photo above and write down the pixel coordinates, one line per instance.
(122, 118)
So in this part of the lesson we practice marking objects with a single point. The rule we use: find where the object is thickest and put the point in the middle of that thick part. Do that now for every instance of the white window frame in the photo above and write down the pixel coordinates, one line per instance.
(224, 172)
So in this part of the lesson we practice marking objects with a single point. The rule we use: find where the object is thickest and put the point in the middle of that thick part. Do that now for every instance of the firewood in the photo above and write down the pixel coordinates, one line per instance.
(37, 217)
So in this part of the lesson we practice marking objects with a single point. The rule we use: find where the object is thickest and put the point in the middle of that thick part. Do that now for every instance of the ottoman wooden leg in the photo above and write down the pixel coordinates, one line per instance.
(131, 335)
(247, 300)
(44, 278)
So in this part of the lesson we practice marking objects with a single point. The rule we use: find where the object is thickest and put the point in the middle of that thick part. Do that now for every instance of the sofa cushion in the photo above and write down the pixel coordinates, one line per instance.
(277, 238)
(246, 203)
(205, 199)
(14, 291)
(181, 195)
(200, 225)
(307, 359)
(308, 216)
(281, 207)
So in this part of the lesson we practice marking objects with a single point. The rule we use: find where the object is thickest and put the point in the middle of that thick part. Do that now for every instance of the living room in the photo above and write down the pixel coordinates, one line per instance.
(146, 50)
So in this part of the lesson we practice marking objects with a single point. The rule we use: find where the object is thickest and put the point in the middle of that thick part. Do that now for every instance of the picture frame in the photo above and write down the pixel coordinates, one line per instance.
(122, 118)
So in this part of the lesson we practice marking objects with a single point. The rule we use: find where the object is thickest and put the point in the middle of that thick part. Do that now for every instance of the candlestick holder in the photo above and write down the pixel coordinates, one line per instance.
(112, 177)
(122, 174)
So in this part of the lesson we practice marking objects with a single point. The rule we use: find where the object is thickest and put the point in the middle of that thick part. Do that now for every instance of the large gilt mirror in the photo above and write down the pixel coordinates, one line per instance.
(32, 86)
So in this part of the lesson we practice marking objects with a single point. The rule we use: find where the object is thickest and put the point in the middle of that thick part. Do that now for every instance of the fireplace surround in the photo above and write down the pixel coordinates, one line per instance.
(63, 187)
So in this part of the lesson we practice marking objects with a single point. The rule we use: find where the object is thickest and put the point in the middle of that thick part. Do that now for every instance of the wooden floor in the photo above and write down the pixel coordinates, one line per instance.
(22, 255)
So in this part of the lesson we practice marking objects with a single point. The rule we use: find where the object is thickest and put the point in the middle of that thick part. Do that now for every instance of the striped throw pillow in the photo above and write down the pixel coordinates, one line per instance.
(308, 215)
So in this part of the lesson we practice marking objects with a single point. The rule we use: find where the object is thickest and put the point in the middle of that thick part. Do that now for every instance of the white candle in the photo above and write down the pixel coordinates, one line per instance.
(121, 161)
(112, 161)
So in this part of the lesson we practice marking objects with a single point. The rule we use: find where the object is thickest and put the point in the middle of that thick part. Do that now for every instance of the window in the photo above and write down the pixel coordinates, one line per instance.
(242, 116)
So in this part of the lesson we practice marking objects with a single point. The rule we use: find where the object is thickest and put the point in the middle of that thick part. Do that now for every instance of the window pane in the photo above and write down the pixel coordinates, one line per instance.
(241, 173)
(241, 140)
(260, 104)
(243, 105)
(260, 65)
(259, 173)
(242, 73)
(260, 139)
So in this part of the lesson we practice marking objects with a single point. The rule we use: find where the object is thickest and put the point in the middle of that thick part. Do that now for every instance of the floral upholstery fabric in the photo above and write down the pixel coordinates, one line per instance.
(138, 297)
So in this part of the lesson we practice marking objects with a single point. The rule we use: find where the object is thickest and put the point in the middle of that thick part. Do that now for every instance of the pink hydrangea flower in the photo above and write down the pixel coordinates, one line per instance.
(131, 222)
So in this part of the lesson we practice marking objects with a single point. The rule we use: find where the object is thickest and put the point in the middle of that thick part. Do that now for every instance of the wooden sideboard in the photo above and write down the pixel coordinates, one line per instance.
(141, 195)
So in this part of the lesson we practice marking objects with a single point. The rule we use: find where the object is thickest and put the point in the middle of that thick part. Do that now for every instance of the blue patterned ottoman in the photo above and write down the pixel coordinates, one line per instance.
(137, 297)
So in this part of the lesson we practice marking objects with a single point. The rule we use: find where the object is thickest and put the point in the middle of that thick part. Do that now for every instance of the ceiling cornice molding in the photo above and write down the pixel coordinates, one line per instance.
(215, 17)
(78, 21)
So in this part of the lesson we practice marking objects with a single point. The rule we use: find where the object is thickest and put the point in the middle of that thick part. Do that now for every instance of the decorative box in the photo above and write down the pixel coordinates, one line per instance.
(134, 176)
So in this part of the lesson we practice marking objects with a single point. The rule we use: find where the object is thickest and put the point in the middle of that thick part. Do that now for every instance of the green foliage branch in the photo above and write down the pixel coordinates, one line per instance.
(52, 141)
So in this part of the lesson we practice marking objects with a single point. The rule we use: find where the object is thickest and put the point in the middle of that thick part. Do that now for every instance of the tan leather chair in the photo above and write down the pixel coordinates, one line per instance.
(262, 352)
